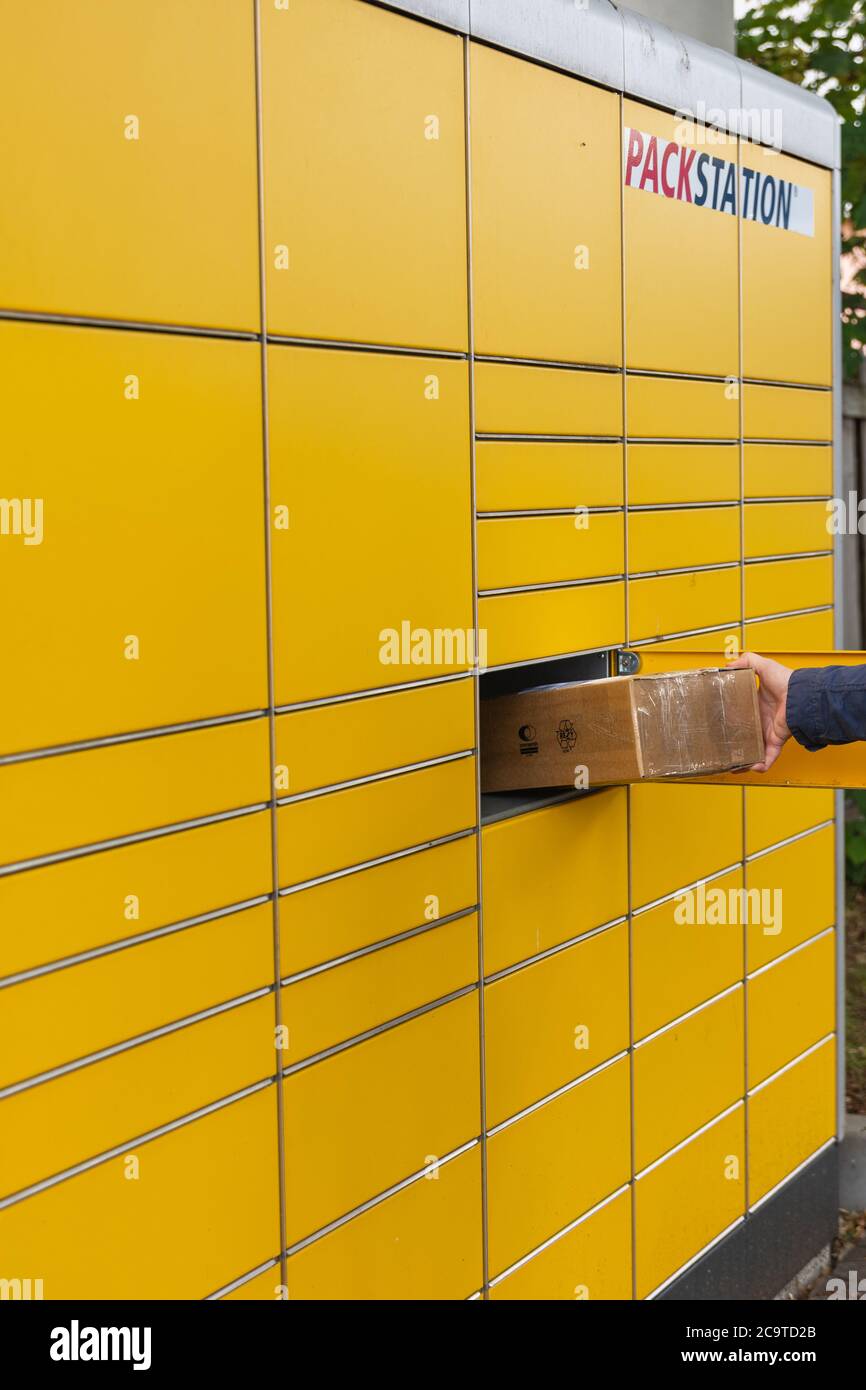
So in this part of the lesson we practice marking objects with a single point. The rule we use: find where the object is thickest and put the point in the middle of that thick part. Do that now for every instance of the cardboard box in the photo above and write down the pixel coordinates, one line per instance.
(626, 729)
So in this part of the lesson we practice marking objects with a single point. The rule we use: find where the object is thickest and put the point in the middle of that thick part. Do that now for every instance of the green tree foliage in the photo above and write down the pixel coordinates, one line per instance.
(820, 45)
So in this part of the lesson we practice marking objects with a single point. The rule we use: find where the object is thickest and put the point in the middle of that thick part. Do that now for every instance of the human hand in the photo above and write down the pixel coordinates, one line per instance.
(772, 703)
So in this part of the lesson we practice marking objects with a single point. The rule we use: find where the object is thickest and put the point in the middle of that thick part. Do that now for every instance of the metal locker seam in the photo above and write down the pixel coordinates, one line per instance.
(627, 622)
(139, 326)
(744, 812)
(243, 1279)
(269, 604)
(725, 504)
(349, 345)
(544, 511)
(687, 632)
(470, 310)
(553, 362)
(789, 613)
(786, 385)
(555, 584)
(838, 635)
(685, 569)
(485, 437)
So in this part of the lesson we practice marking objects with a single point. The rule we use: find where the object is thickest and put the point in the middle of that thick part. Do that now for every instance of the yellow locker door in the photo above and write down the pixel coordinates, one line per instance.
(130, 188)
(370, 483)
(364, 168)
(787, 229)
(140, 583)
(681, 261)
(546, 219)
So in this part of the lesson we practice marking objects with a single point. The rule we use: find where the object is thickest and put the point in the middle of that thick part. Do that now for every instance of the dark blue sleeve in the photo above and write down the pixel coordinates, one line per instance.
(827, 705)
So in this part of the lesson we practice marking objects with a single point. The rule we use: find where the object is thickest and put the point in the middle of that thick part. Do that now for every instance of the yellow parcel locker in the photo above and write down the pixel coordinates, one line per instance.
(376, 1113)
(130, 188)
(549, 1022)
(513, 475)
(555, 1163)
(551, 622)
(790, 1117)
(514, 399)
(787, 470)
(669, 408)
(679, 958)
(686, 1075)
(78, 904)
(370, 484)
(797, 890)
(546, 219)
(329, 1006)
(782, 586)
(344, 914)
(676, 539)
(205, 1205)
(321, 834)
(548, 549)
(97, 794)
(681, 602)
(682, 473)
(424, 1242)
(364, 169)
(704, 824)
(552, 874)
(91, 1109)
(787, 413)
(689, 1199)
(681, 257)
(776, 813)
(111, 998)
(786, 235)
(807, 632)
(786, 528)
(333, 743)
(791, 1005)
(141, 545)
